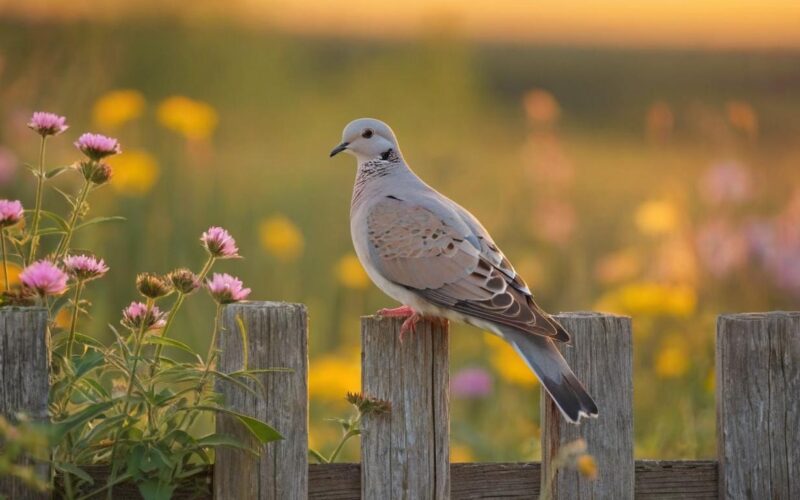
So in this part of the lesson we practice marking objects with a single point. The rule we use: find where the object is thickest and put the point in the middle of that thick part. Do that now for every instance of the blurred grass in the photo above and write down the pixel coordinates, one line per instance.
(281, 103)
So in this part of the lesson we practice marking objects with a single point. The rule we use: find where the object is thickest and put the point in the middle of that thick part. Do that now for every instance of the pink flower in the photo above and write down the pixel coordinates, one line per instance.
(722, 248)
(219, 243)
(226, 289)
(10, 212)
(727, 182)
(137, 316)
(85, 267)
(471, 383)
(44, 277)
(97, 146)
(46, 124)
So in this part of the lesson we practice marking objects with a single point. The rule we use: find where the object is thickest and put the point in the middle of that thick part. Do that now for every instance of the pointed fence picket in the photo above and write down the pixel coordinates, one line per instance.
(405, 453)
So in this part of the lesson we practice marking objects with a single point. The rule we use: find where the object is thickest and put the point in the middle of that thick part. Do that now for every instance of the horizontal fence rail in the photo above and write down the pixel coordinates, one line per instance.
(405, 453)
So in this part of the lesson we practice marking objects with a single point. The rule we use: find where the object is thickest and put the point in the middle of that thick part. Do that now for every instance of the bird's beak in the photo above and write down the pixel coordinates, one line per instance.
(338, 149)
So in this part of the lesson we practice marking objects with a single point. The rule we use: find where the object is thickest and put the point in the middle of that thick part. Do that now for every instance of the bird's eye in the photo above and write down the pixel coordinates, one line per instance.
(367, 133)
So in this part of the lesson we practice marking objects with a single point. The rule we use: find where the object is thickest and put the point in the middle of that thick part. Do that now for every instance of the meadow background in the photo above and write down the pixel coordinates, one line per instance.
(656, 176)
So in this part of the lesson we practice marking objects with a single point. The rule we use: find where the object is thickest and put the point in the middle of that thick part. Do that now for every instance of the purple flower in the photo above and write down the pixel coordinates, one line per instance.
(85, 267)
(727, 182)
(137, 316)
(10, 212)
(97, 146)
(44, 277)
(226, 289)
(219, 243)
(471, 383)
(46, 124)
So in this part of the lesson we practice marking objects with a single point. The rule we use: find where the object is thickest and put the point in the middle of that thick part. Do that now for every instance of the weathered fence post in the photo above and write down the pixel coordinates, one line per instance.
(277, 337)
(24, 376)
(601, 356)
(758, 405)
(405, 454)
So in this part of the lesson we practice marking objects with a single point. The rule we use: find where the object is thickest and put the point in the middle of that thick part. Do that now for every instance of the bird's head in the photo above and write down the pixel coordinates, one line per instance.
(367, 139)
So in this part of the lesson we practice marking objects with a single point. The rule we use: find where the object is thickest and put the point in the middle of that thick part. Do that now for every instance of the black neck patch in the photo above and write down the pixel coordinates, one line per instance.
(386, 154)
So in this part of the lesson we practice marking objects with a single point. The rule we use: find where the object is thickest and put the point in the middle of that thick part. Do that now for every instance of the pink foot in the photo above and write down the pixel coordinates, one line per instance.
(409, 325)
(396, 312)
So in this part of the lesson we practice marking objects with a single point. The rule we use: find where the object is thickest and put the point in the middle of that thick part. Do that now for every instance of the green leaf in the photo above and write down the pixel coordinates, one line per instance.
(88, 362)
(85, 339)
(260, 430)
(68, 468)
(60, 221)
(236, 382)
(55, 172)
(166, 341)
(156, 490)
(44, 231)
(214, 440)
(99, 220)
(64, 427)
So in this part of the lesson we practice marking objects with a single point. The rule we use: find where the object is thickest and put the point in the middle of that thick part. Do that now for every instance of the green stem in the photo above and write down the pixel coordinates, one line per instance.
(74, 321)
(65, 241)
(126, 406)
(345, 438)
(170, 317)
(209, 361)
(38, 207)
(173, 312)
(5, 256)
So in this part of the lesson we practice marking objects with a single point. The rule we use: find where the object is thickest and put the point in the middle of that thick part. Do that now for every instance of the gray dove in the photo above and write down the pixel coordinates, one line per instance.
(434, 257)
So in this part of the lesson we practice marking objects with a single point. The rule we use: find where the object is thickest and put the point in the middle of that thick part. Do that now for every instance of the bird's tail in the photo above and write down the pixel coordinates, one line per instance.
(542, 356)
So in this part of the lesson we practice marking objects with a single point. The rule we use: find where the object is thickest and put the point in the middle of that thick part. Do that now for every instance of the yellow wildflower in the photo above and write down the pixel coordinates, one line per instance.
(672, 360)
(13, 274)
(117, 107)
(461, 453)
(650, 298)
(743, 117)
(350, 273)
(64, 317)
(507, 363)
(332, 376)
(656, 217)
(195, 120)
(281, 238)
(587, 466)
(134, 172)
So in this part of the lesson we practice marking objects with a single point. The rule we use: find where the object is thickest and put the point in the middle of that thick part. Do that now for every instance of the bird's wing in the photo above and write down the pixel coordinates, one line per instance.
(428, 247)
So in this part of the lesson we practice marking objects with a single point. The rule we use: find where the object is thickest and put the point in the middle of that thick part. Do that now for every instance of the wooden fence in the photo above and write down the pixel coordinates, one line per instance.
(405, 452)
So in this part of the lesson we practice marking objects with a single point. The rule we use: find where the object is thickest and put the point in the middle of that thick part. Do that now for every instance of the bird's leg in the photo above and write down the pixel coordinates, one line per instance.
(409, 325)
(396, 312)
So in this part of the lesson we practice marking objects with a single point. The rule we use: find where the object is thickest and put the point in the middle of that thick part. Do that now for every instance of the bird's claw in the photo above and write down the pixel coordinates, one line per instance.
(396, 312)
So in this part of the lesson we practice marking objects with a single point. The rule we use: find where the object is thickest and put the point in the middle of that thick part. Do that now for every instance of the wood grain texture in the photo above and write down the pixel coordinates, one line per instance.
(601, 357)
(758, 405)
(406, 452)
(655, 480)
(277, 336)
(24, 378)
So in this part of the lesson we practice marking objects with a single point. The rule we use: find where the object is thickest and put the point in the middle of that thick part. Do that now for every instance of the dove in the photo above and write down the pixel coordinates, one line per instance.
(436, 259)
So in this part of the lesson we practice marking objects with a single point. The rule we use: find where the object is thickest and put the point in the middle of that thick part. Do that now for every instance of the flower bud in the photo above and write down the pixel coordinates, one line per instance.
(184, 280)
(152, 286)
